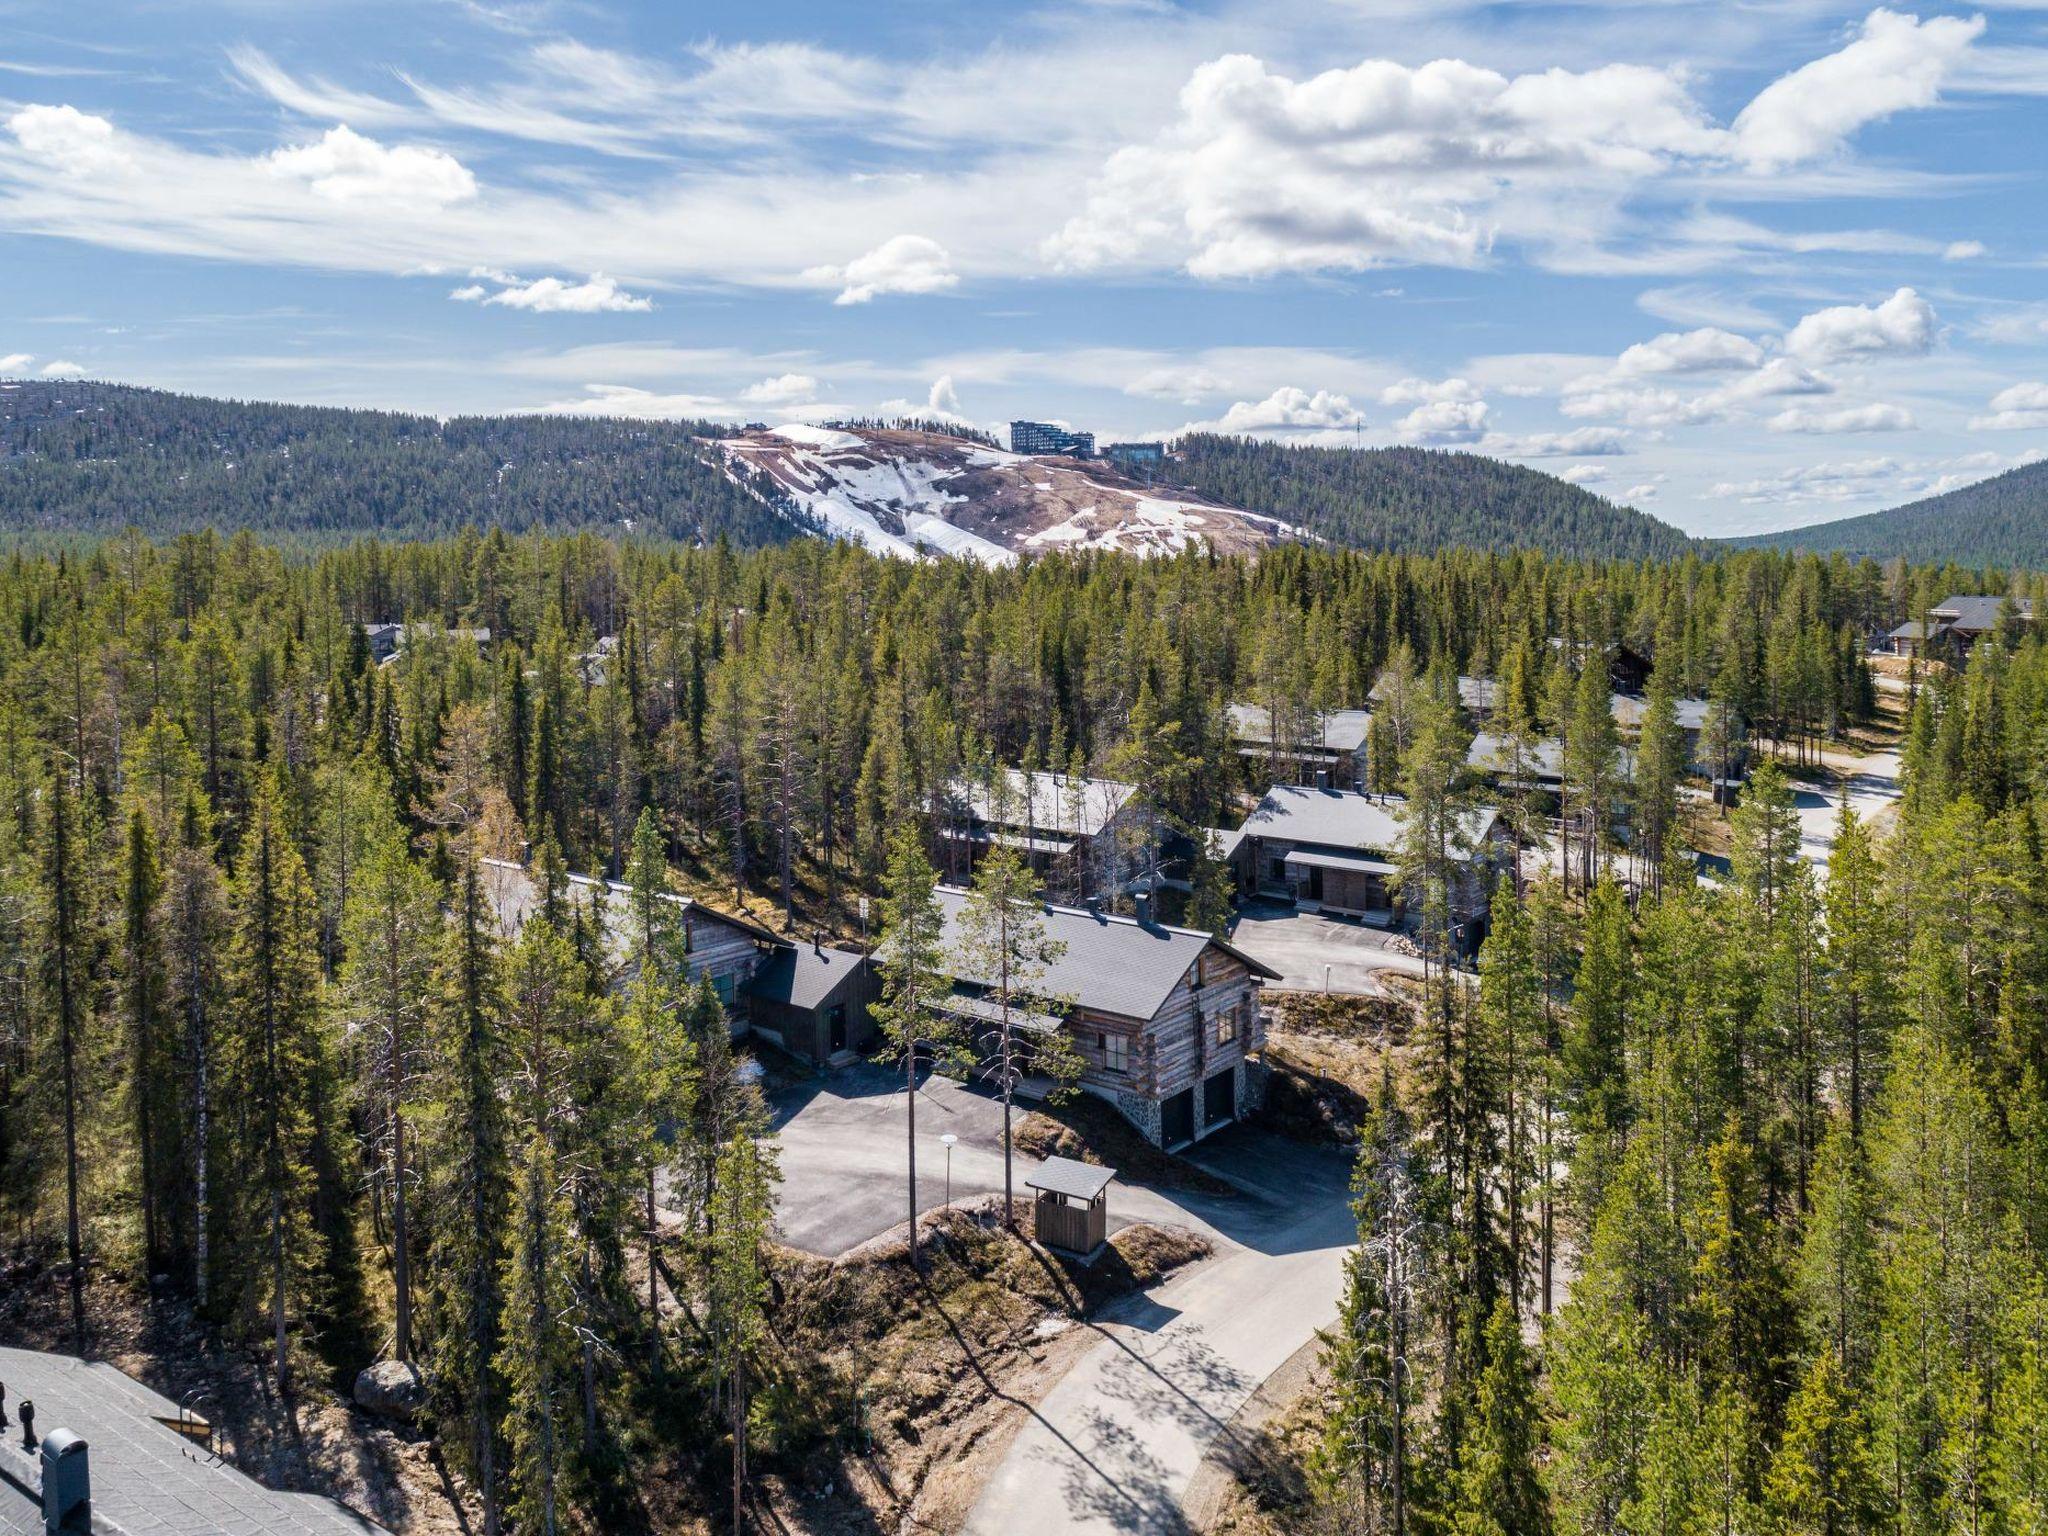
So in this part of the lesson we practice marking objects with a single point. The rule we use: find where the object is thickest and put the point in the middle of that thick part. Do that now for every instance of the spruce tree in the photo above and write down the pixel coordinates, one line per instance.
(1496, 1491)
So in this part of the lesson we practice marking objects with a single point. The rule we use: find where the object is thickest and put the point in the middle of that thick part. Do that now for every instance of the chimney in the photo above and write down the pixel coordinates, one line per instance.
(67, 1484)
(28, 1425)
(525, 854)
(1094, 905)
(1322, 778)
(1143, 901)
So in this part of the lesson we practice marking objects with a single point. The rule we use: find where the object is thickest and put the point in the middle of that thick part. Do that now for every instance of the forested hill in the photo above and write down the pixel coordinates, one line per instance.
(87, 458)
(1419, 499)
(2002, 521)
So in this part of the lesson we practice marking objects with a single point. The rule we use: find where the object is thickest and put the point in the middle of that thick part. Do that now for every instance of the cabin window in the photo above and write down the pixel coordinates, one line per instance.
(1226, 1027)
(1116, 1051)
(722, 985)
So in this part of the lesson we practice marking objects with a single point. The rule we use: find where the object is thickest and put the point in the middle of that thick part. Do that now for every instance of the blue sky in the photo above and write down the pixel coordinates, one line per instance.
(1741, 265)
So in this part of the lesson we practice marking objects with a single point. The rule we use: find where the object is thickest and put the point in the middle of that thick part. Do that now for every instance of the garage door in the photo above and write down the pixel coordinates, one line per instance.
(1219, 1100)
(1177, 1119)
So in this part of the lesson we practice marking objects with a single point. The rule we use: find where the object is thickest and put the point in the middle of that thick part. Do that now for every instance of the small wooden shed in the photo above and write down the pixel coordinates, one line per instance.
(1073, 1205)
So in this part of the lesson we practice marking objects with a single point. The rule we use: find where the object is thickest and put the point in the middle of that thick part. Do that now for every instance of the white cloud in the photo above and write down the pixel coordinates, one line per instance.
(16, 362)
(900, 264)
(349, 168)
(1902, 324)
(1287, 411)
(1659, 406)
(1693, 304)
(1898, 62)
(1579, 443)
(1699, 351)
(57, 368)
(944, 398)
(1429, 392)
(1378, 163)
(556, 296)
(1849, 418)
(1963, 250)
(2022, 407)
(69, 141)
(1190, 384)
(1583, 474)
(1444, 421)
(1649, 490)
(784, 389)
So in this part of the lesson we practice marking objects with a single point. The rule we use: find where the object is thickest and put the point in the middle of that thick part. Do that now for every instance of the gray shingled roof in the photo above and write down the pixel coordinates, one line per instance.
(1976, 613)
(1110, 964)
(1065, 1176)
(804, 977)
(1341, 818)
(145, 1476)
(511, 888)
(1343, 730)
(1045, 802)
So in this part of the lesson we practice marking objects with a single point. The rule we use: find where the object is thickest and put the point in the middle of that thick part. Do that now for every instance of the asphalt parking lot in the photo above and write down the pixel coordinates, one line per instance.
(1314, 953)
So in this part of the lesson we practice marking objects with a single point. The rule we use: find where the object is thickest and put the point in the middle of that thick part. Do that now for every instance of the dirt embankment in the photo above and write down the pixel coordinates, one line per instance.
(910, 1388)
(1326, 1054)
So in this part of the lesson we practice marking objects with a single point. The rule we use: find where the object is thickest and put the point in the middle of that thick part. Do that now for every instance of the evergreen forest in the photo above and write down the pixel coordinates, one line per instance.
(1709, 1196)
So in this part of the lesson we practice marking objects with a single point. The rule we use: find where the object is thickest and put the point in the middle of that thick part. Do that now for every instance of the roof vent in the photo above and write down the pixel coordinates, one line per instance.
(67, 1484)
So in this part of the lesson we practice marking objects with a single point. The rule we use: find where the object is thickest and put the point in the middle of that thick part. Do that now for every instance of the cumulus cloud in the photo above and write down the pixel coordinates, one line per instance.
(1583, 474)
(1659, 406)
(900, 264)
(69, 141)
(943, 398)
(1579, 443)
(1292, 410)
(1377, 163)
(2023, 407)
(1697, 351)
(1444, 421)
(1963, 250)
(348, 168)
(58, 368)
(16, 362)
(1897, 62)
(1190, 384)
(783, 389)
(1848, 418)
(1429, 392)
(555, 296)
(1903, 324)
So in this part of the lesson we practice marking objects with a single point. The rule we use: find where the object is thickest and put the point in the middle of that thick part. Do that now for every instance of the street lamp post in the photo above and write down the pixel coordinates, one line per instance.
(947, 1141)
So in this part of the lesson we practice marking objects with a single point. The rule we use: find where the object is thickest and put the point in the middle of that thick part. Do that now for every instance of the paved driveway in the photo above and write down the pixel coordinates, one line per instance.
(841, 1143)
(1114, 1446)
(1312, 952)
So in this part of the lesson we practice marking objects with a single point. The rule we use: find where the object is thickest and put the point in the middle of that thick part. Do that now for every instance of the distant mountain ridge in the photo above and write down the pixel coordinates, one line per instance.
(1420, 499)
(89, 458)
(2001, 521)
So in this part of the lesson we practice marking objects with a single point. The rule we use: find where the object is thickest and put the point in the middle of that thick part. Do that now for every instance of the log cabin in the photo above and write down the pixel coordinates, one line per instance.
(1165, 1019)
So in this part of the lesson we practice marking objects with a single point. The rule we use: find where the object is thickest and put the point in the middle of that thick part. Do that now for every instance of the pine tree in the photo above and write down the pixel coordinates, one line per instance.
(469, 1148)
(68, 964)
(1003, 945)
(1496, 1491)
(1822, 1483)
(392, 938)
(142, 972)
(271, 1051)
(916, 981)
(737, 1288)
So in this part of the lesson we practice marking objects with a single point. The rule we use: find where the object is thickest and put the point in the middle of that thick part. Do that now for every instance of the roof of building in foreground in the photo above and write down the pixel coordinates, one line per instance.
(147, 1478)
(1108, 964)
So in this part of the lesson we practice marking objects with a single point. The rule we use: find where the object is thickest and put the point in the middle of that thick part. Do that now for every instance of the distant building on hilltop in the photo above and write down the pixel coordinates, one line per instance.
(1135, 453)
(1044, 437)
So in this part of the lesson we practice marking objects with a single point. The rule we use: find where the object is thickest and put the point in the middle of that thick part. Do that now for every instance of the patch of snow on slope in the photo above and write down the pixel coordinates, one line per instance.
(816, 437)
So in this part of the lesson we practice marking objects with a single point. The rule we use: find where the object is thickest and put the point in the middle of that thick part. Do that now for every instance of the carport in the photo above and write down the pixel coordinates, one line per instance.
(1342, 882)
